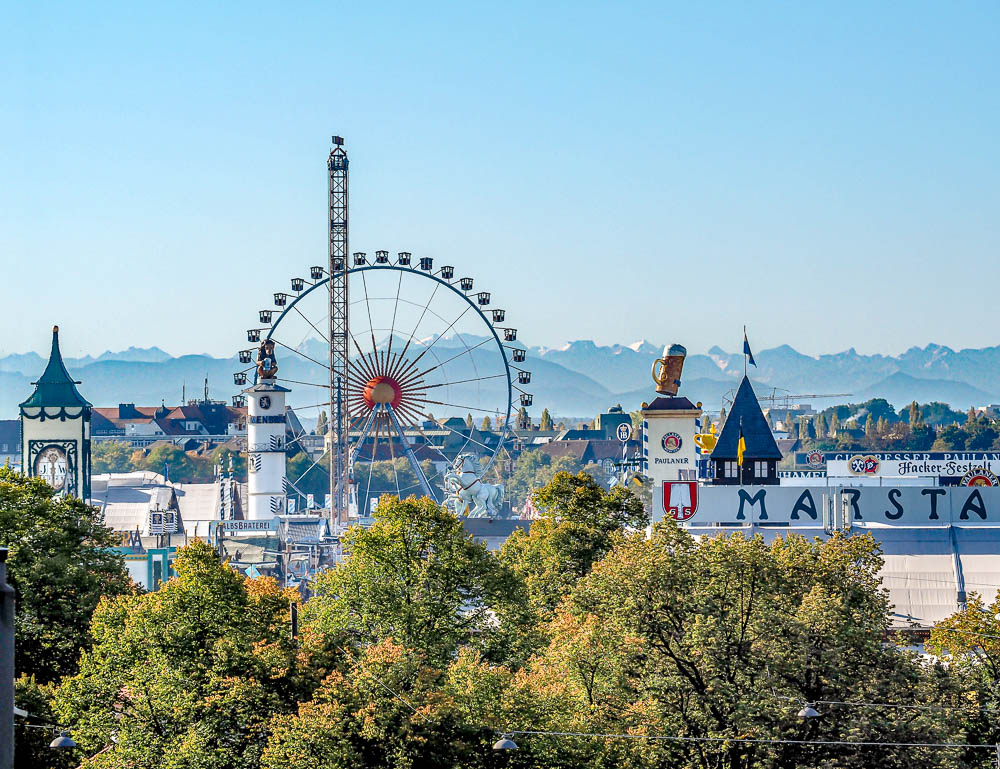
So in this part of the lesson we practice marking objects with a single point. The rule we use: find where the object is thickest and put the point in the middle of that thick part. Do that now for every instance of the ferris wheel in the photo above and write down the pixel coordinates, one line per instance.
(426, 350)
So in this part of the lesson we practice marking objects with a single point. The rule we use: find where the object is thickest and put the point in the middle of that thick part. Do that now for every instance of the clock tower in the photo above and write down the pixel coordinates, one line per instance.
(55, 429)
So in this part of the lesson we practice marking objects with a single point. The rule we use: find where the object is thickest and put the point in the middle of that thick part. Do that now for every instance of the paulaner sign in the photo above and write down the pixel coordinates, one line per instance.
(812, 506)
(912, 464)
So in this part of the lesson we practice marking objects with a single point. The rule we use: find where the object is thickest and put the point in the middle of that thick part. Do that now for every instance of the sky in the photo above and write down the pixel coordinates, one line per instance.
(823, 173)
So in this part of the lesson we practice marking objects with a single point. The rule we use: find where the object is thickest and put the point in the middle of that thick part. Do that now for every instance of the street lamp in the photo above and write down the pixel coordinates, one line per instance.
(505, 743)
(62, 741)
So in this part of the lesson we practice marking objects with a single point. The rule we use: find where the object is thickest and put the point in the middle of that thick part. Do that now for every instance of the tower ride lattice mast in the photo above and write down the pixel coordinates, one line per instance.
(339, 422)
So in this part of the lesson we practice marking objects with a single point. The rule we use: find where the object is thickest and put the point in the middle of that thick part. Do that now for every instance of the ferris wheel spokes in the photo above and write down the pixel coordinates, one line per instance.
(421, 478)
(407, 323)
(417, 324)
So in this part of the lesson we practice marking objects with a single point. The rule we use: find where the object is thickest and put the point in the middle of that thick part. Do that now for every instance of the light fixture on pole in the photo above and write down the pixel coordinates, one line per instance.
(505, 743)
(62, 741)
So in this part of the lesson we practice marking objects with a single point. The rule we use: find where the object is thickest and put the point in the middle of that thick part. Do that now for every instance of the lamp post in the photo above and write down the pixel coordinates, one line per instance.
(6, 666)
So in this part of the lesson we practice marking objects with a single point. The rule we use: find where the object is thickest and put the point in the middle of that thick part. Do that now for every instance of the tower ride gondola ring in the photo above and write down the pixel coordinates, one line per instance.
(425, 348)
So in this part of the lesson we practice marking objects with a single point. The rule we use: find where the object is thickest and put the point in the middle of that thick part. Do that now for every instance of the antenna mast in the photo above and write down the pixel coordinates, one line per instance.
(338, 424)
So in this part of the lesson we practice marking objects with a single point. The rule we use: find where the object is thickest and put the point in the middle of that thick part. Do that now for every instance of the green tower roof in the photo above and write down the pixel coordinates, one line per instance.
(55, 387)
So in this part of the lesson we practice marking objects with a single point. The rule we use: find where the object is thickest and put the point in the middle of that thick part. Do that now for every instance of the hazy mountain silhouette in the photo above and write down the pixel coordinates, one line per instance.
(579, 379)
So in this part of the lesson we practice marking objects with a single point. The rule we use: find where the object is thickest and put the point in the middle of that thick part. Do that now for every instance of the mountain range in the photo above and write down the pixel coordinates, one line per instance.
(578, 379)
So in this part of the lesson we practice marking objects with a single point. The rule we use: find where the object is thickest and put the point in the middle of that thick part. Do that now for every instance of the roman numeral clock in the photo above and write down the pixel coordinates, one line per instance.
(55, 430)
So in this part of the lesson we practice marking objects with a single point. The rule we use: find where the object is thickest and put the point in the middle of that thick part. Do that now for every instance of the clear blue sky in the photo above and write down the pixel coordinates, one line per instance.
(826, 173)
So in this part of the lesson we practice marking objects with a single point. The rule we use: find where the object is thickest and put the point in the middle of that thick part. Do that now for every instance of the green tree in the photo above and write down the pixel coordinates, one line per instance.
(223, 457)
(111, 457)
(308, 475)
(61, 563)
(921, 437)
(321, 425)
(486, 426)
(545, 421)
(880, 408)
(950, 438)
(937, 414)
(189, 675)
(32, 743)
(178, 464)
(579, 523)
(707, 638)
(396, 477)
(468, 421)
(981, 435)
(357, 720)
(913, 414)
(534, 468)
(417, 577)
(820, 426)
(834, 424)
(969, 641)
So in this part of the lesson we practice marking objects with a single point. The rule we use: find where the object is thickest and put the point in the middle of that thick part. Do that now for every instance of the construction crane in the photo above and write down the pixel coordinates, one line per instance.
(783, 400)
(786, 398)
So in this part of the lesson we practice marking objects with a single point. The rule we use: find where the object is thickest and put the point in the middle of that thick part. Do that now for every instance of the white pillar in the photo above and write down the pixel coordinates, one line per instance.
(669, 425)
(266, 451)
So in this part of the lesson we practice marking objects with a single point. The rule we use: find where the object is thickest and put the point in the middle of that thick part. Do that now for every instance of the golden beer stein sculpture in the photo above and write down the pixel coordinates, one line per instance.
(667, 370)
(706, 441)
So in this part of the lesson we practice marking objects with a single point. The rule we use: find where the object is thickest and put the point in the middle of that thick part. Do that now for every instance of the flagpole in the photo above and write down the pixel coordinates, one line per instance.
(744, 351)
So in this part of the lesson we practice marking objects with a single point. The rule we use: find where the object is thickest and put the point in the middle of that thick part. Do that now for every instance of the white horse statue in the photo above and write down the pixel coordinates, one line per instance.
(467, 493)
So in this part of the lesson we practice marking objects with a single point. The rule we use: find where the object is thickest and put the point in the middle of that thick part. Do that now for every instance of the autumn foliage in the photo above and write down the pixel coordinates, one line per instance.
(422, 648)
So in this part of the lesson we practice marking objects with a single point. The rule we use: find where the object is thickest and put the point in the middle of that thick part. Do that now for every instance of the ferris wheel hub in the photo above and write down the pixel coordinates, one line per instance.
(382, 389)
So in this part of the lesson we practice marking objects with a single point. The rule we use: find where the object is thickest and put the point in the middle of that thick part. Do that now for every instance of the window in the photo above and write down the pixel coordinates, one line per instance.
(729, 469)
(760, 469)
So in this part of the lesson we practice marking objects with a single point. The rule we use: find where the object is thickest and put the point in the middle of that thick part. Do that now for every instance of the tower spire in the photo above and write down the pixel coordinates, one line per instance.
(55, 387)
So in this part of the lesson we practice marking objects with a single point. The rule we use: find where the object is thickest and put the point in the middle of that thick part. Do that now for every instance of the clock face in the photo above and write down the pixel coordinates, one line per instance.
(52, 465)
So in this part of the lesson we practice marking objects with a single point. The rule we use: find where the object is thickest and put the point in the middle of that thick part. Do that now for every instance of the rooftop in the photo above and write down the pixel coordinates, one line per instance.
(745, 418)
(55, 387)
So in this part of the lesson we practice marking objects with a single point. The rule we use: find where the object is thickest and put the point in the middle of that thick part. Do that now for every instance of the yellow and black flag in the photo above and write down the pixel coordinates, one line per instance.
(741, 447)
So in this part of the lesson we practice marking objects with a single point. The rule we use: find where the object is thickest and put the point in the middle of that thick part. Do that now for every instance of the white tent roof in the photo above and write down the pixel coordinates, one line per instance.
(926, 569)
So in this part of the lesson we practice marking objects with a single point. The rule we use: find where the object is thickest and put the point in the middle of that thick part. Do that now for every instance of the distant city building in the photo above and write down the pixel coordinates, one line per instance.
(608, 422)
(785, 419)
(606, 453)
(10, 442)
(140, 426)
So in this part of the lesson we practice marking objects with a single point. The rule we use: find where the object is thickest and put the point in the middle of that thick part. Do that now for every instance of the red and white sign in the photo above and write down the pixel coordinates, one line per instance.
(680, 499)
